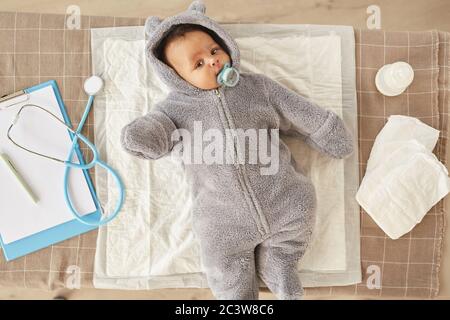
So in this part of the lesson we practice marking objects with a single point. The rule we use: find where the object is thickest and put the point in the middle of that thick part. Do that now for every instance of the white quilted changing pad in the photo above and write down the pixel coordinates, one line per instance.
(151, 244)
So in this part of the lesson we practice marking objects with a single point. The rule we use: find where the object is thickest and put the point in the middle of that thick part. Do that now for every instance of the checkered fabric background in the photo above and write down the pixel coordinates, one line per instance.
(35, 48)
(409, 266)
(39, 47)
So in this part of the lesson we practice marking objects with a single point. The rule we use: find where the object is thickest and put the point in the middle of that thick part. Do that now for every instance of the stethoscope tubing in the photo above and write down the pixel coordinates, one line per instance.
(95, 161)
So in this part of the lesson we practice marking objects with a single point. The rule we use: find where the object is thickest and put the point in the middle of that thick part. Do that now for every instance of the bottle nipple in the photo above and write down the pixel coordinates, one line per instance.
(402, 74)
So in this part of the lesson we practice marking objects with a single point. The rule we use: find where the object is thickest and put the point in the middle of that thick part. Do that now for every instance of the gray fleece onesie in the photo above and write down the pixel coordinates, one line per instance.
(248, 224)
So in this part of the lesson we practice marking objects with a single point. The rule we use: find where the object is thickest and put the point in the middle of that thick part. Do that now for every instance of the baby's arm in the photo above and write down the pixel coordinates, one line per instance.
(149, 136)
(323, 129)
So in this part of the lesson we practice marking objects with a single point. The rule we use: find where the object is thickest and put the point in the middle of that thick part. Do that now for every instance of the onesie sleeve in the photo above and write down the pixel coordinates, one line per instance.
(322, 129)
(149, 136)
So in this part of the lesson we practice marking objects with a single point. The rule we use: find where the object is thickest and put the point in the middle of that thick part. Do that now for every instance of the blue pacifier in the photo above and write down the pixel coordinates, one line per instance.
(228, 76)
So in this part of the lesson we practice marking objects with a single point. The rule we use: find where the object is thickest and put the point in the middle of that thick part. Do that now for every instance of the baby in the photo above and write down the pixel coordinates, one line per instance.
(248, 224)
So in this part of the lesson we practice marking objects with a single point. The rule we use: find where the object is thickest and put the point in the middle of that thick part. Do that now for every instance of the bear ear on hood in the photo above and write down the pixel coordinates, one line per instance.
(151, 23)
(198, 6)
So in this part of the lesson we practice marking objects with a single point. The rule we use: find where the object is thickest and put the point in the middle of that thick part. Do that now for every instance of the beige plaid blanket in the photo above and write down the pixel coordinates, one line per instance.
(39, 47)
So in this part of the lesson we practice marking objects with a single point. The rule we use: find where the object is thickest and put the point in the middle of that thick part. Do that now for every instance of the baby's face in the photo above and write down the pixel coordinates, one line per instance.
(197, 58)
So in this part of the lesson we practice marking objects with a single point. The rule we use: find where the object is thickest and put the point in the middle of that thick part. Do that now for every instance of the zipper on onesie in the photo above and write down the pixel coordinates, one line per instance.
(243, 179)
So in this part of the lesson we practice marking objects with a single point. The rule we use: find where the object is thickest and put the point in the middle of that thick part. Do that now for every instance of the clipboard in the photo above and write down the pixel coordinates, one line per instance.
(63, 231)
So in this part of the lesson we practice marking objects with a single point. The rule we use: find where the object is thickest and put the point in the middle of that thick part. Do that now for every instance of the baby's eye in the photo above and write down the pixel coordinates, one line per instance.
(198, 64)
(214, 50)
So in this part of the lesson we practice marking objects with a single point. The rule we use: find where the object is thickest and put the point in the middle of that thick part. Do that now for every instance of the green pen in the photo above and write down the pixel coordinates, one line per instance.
(7, 161)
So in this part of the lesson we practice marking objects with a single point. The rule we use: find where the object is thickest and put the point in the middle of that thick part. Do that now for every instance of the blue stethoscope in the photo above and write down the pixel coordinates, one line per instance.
(92, 86)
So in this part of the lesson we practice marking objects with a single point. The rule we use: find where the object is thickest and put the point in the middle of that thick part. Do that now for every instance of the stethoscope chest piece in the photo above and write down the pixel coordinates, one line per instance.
(93, 85)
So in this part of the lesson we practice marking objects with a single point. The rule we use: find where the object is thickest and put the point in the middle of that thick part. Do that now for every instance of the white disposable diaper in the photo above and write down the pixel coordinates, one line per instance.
(403, 179)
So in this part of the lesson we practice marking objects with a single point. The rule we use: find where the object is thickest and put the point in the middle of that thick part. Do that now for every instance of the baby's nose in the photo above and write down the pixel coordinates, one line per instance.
(214, 61)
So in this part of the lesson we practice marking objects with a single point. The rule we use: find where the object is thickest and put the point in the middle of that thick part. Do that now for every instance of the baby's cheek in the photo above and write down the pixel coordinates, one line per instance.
(201, 81)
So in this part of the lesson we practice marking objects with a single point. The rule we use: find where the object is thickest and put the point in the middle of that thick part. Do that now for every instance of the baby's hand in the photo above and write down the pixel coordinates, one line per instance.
(333, 138)
(149, 136)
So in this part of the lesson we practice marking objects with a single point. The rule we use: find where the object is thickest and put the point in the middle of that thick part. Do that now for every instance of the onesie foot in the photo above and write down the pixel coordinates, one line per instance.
(232, 277)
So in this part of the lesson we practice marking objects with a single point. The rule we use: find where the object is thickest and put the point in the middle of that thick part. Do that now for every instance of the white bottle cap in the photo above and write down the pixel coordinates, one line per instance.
(393, 79)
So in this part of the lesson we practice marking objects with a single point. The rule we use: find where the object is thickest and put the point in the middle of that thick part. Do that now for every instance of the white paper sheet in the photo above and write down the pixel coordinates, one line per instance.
(20, 216)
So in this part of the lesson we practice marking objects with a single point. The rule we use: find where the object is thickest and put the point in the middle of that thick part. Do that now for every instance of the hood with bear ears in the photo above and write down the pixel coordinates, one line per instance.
(156, 29)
